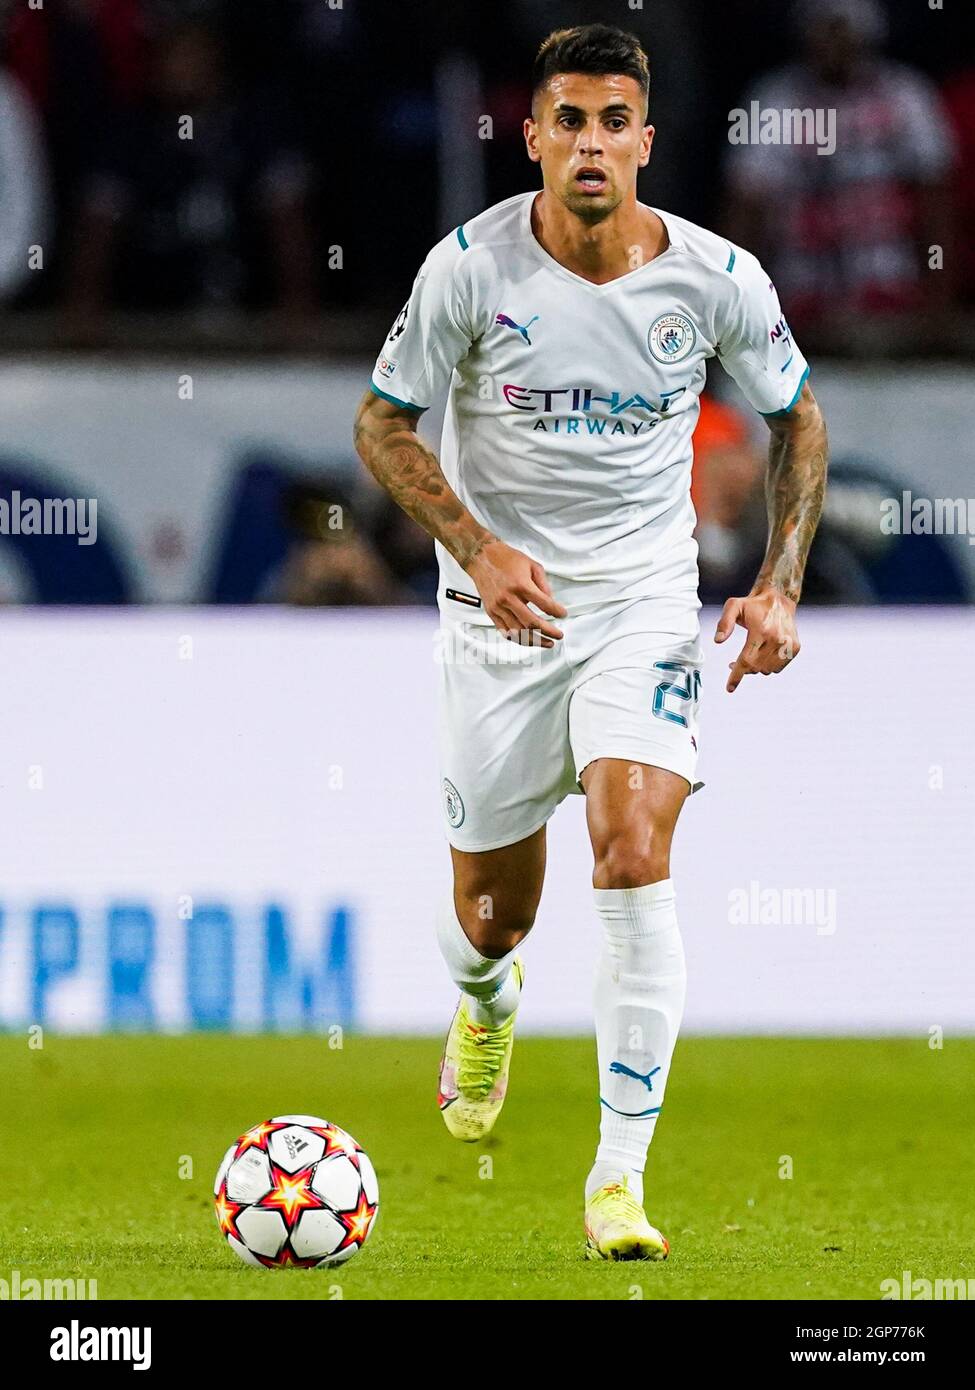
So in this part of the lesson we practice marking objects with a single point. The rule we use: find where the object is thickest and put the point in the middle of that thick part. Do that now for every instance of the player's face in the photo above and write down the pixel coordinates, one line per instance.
(584, 124)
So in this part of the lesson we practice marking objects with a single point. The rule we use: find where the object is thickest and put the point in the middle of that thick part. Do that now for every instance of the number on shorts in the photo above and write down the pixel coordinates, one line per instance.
(689, 689)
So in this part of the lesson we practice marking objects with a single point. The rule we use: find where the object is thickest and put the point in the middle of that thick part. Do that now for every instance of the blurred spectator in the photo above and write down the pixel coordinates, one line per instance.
(959, 98)
(23, 187)
(177, 216)
(76, 59)
(846, 235)
(728, 492)
(71, 54)
(407, 550)
(331, 560)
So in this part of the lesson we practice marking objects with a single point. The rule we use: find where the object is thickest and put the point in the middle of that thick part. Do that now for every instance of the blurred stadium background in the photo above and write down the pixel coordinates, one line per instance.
(218, 788)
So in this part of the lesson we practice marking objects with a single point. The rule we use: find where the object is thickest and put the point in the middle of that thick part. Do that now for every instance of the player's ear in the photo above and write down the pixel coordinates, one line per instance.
(646, 145)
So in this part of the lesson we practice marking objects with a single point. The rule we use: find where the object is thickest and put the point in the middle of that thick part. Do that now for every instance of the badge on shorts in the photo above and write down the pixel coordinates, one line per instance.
(671, 337)
(453, 804)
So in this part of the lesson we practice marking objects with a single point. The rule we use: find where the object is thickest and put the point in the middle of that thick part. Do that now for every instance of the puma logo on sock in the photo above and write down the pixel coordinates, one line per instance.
(623, 1070)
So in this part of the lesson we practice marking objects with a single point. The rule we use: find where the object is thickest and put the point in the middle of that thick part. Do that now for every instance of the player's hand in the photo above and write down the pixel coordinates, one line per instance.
(508, 581)
(769, 617)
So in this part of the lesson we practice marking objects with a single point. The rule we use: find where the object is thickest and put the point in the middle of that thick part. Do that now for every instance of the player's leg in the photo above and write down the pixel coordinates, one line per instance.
(506, 765)
(491, 910)
(495, 898)
(632, 810)
(633, 728)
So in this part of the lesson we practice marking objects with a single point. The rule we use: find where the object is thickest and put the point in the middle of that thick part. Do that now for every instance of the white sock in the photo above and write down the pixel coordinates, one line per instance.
(489, 985)
(639, 1002)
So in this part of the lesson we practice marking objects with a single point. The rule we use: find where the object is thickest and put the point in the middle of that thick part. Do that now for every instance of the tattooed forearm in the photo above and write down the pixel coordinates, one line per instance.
(794, 488)
(386, 441)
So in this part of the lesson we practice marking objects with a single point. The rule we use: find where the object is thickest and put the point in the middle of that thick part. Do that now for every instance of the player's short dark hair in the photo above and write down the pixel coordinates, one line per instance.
(597, 49)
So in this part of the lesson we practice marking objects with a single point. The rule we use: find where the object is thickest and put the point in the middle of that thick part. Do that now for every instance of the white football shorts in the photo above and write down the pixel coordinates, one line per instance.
(519, 724)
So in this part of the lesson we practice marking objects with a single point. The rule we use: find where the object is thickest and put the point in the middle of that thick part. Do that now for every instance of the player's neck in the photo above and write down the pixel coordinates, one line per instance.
(630, 236)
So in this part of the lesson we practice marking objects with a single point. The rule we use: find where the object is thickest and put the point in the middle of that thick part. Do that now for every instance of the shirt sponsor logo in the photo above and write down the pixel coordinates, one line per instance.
(782, 335)
(671, 338)
(599, 411)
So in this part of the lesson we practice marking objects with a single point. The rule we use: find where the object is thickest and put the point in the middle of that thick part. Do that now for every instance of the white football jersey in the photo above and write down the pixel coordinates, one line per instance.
(571, 405)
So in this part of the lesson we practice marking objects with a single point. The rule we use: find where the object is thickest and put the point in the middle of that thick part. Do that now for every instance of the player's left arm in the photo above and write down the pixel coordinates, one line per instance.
(794, 488)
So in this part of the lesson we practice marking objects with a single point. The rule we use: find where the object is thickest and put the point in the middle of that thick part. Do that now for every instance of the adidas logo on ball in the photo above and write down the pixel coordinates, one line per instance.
(294, 1145)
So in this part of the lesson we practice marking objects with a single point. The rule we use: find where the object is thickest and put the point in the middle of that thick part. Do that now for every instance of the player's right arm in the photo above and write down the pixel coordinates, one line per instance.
(507, 580)
(432, 333)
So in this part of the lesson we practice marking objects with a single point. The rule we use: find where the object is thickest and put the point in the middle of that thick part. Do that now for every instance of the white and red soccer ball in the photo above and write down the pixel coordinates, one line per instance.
(296, 1190)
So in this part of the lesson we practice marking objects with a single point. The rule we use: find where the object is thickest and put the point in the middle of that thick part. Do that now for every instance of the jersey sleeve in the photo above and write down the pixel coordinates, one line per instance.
(756, 346)
(430, 334)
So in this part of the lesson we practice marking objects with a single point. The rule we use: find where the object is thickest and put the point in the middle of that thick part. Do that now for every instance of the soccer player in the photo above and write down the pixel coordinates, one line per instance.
(573, 326)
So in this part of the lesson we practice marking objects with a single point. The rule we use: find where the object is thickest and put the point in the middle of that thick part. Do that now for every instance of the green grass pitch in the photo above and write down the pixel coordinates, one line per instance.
(878, 1133)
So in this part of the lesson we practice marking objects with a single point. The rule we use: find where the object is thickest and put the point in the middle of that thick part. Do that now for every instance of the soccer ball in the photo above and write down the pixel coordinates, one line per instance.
(296, 1190)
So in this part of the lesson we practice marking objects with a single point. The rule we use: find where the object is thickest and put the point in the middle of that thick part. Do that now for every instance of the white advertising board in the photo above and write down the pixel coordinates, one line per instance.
(231, 818)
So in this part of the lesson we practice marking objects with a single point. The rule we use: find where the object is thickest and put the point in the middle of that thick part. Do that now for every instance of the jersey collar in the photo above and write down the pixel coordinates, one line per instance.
(676, 244)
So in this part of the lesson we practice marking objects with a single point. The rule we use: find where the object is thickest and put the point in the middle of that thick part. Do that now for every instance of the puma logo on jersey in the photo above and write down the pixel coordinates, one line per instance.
(505, 322)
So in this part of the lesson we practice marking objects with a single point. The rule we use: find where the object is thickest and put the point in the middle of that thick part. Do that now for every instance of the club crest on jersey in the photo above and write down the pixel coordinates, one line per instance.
(671, 337)
(453, 804)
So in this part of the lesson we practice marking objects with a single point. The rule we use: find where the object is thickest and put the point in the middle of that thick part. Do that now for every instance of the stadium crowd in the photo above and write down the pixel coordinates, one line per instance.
(216, 162)
(295, 102)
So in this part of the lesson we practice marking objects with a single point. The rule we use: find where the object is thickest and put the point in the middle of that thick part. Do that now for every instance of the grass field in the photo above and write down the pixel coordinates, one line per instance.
(878, 1133)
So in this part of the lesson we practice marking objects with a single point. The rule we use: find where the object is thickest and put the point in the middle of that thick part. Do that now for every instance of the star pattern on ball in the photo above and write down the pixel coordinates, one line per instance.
(257, 1137)
(288, 1259)
(357, 1223)
(291, 1194)
(227, 1213)
(338, 1142)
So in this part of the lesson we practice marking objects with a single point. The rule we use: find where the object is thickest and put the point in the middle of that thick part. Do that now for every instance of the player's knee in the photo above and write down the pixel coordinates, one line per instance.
(496, 923)
(627, 860)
